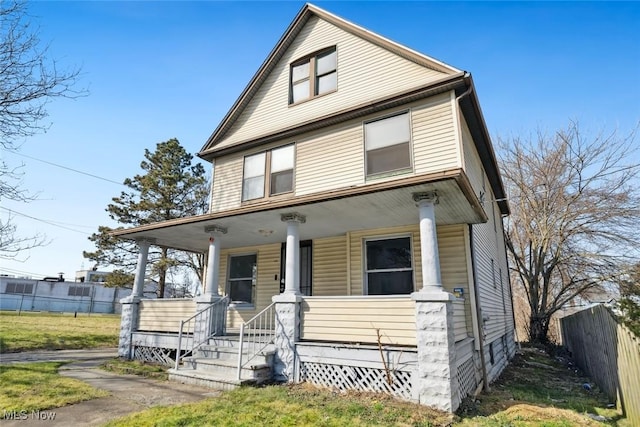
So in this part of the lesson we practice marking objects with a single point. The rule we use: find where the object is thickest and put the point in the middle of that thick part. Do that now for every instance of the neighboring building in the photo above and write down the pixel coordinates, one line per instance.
(356, 202)
(57, 295)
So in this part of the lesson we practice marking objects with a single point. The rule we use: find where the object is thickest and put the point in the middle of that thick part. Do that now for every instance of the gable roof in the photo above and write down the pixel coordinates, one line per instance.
(307, 11)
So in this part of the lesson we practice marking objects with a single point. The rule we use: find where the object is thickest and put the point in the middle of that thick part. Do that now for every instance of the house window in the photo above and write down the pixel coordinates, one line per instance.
(19, 288)
(314, 75)
(387, 144)
(79, 291)
(389, 269)
(272, 170)
(281, 168)
(242, 278)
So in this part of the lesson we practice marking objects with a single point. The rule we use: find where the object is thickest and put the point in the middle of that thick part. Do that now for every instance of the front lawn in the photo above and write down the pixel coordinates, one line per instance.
(56, 331)
(38, 386)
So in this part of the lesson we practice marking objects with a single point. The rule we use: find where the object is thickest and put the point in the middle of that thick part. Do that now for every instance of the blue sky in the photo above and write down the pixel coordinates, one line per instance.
(158, 70)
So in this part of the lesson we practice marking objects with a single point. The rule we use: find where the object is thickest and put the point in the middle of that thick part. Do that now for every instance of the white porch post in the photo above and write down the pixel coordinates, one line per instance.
(288, 304)
(292, 279)
(213, 259)
(211, 323)
(436, 384)
(131, 304)
(429, 241)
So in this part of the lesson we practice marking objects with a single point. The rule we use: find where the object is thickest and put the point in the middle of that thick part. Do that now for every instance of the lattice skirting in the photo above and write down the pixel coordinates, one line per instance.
(345, 378)
(466, 377)
(164, 356)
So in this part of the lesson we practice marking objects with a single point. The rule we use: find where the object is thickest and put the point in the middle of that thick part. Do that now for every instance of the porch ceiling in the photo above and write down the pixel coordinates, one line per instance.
(330, 217)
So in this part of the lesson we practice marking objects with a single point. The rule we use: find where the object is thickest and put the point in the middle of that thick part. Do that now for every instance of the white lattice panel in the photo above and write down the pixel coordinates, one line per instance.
(154, 355)
(466, 377)
(345, 378)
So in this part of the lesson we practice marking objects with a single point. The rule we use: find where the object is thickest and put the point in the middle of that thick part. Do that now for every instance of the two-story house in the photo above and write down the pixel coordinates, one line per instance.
(355, 235)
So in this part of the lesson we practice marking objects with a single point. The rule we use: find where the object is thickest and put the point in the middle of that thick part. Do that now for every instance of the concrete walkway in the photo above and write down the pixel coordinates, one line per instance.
(129, 393)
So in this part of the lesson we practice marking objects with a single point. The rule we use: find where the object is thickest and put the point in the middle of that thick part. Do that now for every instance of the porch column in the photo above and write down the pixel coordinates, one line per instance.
(436, 384)
(288, 304)
(131, 305)
(211, 322)
(213, 259)
(292, 279)
(428, 240)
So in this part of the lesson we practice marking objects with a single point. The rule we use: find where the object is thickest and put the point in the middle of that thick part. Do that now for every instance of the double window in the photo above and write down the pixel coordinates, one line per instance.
(269, 171)
(242, 278)
(389, 267)
(387, 144)
(313, 75)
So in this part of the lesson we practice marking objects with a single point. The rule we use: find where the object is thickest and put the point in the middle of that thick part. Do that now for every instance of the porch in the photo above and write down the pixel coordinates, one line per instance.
(345, 343)
(390, 325)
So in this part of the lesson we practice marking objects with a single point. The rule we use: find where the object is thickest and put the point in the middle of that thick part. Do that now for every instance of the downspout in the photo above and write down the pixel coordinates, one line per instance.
(485, 381)
(480, 337)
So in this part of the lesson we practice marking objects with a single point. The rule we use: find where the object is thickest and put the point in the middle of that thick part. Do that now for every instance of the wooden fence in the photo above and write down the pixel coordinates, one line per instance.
(609, 352)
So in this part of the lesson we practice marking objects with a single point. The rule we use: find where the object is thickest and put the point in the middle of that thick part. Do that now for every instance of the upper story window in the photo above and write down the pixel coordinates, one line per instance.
(387, 144)
(313, 75)
(268, 172)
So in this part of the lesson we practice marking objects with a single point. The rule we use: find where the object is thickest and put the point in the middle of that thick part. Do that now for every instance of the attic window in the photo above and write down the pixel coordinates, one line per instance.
(313, 75)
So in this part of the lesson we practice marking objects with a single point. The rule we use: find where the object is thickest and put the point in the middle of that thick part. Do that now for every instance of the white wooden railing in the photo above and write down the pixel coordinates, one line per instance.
(255, 335)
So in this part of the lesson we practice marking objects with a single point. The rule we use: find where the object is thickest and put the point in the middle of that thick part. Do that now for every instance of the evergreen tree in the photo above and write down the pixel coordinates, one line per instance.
(169, 187)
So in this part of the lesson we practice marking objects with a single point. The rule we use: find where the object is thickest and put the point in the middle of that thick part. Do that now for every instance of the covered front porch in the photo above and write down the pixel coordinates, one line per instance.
(350, 330)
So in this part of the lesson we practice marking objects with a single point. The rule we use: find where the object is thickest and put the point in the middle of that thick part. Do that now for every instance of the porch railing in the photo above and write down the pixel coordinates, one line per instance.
(215, 313)
(255, 335)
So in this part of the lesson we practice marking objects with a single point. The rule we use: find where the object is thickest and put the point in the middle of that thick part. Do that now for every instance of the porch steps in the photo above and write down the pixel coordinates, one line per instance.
(215, 366)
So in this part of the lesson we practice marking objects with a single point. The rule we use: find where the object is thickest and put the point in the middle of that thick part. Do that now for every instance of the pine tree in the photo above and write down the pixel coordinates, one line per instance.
(169, 187)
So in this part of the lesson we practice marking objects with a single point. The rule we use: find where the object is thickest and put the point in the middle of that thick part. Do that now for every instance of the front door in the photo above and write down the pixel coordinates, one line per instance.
(305, 267)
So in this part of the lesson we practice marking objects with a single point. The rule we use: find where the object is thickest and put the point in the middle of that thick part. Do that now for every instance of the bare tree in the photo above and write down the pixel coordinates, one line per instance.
(575, 216)
(29, 79)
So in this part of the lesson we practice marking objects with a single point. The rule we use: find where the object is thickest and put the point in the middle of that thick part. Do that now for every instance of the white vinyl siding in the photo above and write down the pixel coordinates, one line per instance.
(435, 147)
(356, 319)
(329, 266)
(359, 63)
(334, 157)
(227, 185)
(489, 251)
(164, 315)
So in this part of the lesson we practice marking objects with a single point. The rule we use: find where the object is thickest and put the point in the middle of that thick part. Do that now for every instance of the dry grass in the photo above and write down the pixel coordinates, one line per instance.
(38, 386)
(56, 331)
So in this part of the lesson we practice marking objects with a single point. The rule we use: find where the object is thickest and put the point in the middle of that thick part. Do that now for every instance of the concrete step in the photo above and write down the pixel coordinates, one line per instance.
(214, 381)
(231, 353)
(233, 340)
(259, 372)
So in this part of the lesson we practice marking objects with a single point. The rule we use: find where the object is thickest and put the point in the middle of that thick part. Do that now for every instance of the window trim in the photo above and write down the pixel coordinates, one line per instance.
(266, 191)
(393, 172)
(247, 305)
(313, 75)
(365, 271)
